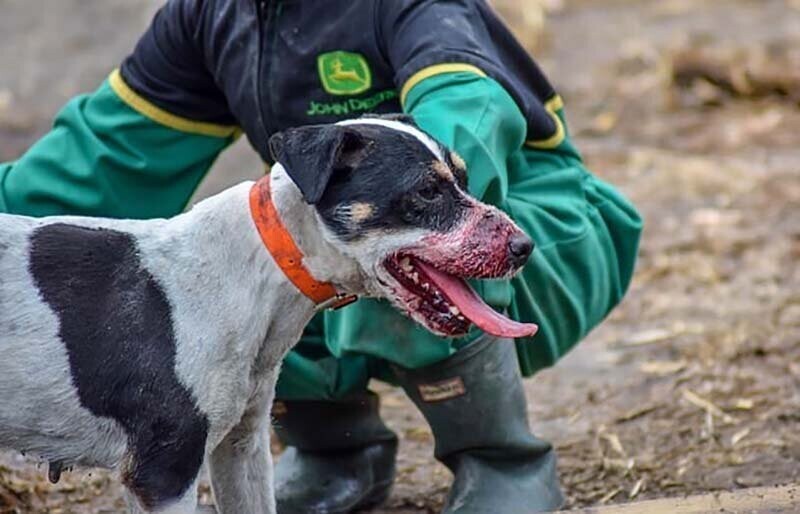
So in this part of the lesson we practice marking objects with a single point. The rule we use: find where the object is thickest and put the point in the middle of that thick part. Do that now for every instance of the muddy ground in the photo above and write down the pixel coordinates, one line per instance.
(693, 109)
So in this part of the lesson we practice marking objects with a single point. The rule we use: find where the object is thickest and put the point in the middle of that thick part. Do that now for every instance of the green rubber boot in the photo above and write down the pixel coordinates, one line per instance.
(475, 405)
(340, 457)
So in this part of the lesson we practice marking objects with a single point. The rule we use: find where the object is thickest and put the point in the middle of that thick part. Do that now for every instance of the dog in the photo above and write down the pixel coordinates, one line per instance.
(153, 347)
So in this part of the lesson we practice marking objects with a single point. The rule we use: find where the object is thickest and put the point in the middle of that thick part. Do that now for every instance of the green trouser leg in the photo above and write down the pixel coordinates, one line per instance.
(476, 407)
(339, 455)
(312, 372)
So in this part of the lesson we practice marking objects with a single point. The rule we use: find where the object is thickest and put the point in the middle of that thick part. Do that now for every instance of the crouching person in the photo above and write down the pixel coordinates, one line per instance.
(207, 70)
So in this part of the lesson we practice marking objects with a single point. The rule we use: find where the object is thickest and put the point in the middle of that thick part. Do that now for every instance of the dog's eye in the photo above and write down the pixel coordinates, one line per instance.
(430, 193)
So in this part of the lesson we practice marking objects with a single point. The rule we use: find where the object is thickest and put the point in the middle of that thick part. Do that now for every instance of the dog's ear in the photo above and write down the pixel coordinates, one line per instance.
(311, 155)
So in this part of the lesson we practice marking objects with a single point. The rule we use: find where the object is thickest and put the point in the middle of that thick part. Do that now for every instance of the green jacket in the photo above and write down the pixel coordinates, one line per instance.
(207, 71)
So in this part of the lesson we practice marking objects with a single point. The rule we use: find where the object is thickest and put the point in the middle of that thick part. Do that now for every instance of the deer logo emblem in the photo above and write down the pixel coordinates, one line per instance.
(344, 73)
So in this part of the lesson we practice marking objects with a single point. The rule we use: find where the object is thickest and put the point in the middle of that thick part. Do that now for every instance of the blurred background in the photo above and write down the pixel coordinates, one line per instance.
(693, 110)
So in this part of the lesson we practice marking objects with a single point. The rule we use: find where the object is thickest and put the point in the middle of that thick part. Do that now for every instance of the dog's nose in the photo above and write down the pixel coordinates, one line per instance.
(520, 247)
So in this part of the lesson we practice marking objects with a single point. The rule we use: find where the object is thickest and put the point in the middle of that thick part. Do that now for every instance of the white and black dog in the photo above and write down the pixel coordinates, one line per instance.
(153, 346)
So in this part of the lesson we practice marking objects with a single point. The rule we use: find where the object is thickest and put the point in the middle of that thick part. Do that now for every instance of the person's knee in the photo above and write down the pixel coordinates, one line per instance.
(623, 226)
(570, 286)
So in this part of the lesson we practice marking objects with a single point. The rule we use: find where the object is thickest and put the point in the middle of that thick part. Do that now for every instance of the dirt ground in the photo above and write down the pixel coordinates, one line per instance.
(693, 110)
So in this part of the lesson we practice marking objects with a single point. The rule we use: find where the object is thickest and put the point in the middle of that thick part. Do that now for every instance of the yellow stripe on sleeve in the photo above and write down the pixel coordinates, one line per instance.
(552, 106)
(432, 71)
(159, 115)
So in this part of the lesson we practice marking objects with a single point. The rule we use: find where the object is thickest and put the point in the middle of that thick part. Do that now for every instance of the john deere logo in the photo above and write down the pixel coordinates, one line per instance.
(344, 73)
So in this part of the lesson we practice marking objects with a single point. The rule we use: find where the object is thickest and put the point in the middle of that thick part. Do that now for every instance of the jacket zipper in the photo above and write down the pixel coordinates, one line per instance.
(270, 9)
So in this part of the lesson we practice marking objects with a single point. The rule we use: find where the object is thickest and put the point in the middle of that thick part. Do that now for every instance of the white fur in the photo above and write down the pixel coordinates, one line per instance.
(235, 317)
(400, 127)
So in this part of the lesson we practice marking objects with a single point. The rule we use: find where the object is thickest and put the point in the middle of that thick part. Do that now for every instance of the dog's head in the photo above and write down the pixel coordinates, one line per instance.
(394, 200)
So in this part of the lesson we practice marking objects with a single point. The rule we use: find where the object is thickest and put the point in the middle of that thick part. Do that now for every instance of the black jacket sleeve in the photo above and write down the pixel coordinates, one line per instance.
(169, 68)
(418, 35)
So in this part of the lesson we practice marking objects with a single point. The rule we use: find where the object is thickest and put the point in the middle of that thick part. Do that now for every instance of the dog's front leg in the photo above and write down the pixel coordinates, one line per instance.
(241, 474)
(241, 466)
(186, 504)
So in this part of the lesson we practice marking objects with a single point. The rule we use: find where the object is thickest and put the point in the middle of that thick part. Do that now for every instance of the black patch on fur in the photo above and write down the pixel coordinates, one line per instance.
(116, 323)
(398, 179)
(312, 154)
(392, 172)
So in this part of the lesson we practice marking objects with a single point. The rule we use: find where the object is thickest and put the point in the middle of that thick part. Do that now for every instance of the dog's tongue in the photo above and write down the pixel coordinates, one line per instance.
(473, 308)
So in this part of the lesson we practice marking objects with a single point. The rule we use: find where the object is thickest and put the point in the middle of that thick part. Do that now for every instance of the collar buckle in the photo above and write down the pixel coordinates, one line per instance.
(336, 302)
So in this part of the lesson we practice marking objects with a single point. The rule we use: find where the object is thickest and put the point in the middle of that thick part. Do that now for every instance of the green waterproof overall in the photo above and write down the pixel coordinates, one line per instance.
(116, 153)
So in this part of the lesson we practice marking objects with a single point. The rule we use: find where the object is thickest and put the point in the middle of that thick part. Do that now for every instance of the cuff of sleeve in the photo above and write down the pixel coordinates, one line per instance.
(162, 117)
(553, 107)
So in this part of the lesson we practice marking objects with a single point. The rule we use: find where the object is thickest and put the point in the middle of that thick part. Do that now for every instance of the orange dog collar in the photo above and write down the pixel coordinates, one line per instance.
(285, 252)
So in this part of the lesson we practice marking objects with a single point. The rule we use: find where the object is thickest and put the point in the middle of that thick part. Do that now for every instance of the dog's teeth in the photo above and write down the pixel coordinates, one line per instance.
(415, 277)
(426, 286)
(405, 263)
(454, 310)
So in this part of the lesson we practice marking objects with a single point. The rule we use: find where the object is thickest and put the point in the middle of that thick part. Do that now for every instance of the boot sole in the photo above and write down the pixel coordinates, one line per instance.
(379, 494)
